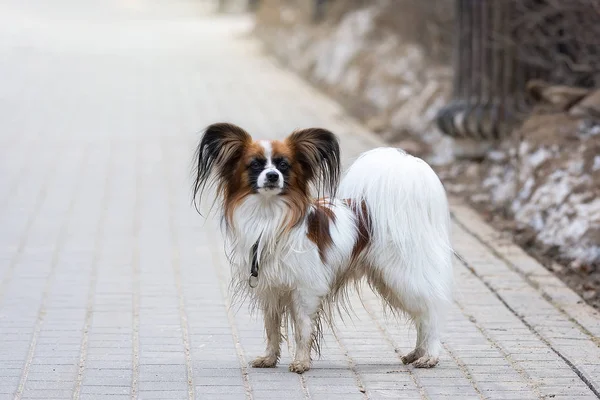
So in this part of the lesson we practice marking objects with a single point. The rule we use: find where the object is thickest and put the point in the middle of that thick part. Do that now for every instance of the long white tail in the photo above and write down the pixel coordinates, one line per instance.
(407, 207)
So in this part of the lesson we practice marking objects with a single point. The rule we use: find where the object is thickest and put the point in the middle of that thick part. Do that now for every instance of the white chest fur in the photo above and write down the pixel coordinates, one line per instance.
(287, 259)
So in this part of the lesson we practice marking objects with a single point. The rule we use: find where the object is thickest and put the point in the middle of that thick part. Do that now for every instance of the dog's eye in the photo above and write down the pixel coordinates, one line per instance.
(283, 165)
(255, 165)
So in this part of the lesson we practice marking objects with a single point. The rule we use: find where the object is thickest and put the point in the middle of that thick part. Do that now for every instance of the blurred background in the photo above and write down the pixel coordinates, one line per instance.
(111, 285)
(500, 95)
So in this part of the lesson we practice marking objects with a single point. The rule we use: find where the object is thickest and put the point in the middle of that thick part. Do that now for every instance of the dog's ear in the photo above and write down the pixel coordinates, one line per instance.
(217, 155)
(318, 153)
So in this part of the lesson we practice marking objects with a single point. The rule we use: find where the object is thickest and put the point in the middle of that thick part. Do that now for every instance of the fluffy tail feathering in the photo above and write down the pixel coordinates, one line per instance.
(408, 209)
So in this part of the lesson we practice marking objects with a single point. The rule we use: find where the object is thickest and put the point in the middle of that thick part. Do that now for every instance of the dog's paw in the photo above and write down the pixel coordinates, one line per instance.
(426, 362)
(413, 356)
(299, 367)
(264, 362)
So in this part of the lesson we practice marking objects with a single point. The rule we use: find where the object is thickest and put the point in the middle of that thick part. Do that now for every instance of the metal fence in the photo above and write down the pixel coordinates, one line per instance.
(502, 44)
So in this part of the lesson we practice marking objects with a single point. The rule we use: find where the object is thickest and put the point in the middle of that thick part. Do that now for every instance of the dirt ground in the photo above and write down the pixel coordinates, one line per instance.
(543, 189)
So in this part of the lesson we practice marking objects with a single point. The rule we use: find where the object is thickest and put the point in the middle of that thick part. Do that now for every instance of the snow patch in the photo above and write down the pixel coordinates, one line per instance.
(538, 156)
(554, 202)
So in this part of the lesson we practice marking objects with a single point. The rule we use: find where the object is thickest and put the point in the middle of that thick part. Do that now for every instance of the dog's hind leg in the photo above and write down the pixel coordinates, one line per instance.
(424, 308)
(428, 347)
(272, 317)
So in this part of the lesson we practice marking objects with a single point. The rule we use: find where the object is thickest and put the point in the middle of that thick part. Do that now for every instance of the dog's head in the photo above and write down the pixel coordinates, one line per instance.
(286, 170)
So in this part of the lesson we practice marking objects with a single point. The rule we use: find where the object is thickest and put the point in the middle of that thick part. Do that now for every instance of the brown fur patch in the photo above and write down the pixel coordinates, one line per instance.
(236, 188)
(281, 149)
(253, 150)
(297, 202)
(319, 220)
(296, 194)
(364, 227)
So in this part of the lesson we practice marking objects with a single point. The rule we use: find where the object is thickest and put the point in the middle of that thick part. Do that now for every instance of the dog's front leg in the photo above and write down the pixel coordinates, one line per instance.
(272, 319)
(304, 311)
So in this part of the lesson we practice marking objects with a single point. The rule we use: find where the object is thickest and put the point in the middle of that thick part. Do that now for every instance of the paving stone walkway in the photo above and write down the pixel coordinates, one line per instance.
(112, 287)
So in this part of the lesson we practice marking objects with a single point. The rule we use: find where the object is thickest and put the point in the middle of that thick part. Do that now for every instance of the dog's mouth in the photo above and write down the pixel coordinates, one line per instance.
(271, 186)
(270, 189)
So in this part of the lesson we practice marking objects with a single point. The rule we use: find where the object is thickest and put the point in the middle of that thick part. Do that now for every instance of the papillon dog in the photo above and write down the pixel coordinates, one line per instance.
(295, 254)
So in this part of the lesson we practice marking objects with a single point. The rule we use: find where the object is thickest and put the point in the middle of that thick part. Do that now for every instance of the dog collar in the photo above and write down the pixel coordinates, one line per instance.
(253, 278)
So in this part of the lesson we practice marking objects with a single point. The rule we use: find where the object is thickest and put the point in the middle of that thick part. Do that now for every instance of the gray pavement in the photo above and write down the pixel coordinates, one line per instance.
(112, 287)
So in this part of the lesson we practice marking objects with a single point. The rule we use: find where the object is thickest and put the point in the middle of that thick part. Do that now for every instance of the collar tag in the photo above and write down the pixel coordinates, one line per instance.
(253, 281)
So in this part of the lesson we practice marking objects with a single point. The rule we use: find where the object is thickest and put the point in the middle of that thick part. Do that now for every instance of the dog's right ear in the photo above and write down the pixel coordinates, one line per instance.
(220, 149)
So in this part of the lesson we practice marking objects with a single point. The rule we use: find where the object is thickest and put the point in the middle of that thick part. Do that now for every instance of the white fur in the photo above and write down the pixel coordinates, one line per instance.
(266, 144)
(289, 261)
(408, 260)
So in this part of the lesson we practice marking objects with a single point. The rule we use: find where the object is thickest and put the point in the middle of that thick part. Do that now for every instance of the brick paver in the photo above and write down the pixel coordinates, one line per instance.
(111, 286)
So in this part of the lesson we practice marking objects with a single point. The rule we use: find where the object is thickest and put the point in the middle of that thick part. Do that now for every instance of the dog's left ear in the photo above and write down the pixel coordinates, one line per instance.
(318, 152)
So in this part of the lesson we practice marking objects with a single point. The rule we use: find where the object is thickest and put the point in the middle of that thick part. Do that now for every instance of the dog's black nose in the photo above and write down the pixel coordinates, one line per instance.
(272, 177)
